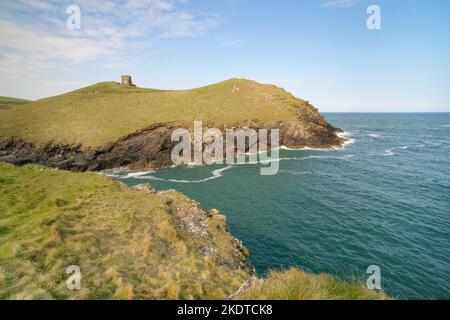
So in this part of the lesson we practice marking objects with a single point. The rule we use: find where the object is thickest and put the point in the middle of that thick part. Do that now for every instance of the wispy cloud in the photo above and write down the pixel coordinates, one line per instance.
(38, 4)
(34, 37)
(340, 3)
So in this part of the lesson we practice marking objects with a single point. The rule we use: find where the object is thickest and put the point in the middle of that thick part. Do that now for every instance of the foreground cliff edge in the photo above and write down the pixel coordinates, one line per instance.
(129, 244)
(108, 125)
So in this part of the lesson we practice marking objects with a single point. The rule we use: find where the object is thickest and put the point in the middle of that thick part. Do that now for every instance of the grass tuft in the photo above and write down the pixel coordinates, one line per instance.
(296, 284)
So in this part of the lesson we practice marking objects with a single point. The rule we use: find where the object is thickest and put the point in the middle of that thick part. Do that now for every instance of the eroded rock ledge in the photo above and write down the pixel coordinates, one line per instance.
(149, 148)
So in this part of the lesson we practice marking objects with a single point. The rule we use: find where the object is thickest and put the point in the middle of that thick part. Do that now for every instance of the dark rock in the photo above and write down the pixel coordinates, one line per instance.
(150, 148)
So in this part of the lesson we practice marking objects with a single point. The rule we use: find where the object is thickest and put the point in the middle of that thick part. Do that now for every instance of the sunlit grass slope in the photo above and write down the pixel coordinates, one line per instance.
(12, 100)
(128, 244)
(105, 112)
(295, 284)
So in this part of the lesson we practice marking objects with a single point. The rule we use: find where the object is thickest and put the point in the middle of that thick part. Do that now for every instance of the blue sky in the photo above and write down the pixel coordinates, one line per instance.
(319, 50)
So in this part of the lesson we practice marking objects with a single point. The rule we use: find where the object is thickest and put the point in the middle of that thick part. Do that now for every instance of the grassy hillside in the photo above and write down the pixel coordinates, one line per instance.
(128, 244)
(102, 113)
(7, 103)
(12, 100)
(295, 284)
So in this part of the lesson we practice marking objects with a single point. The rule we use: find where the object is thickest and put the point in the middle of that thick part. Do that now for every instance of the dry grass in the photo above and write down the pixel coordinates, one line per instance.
(128, 244)
(103, 113)
(295, 284)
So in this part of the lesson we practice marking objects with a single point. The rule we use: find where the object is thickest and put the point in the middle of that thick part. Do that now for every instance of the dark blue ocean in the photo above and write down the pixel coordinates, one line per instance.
(383, 200)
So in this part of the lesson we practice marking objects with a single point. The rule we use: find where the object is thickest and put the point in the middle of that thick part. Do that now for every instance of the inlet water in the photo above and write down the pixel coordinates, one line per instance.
(383, 200)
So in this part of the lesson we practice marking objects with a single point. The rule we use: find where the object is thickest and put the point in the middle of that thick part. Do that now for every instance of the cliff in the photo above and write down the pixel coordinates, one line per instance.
(128, 243)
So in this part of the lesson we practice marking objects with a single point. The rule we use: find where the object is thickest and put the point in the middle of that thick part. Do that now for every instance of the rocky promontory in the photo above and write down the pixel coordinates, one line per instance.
(81, 130)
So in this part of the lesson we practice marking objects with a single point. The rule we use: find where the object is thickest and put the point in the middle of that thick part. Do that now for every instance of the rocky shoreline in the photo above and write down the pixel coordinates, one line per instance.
(149, 148)
(194, 221)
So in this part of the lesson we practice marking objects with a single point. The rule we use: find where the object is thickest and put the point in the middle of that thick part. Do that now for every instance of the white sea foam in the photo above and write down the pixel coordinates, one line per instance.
(374, 135)
(137, 174)
(390, 151)
(342, 134)
(345, 135)
(296, 173)
(433, 144)
(349, 141)
(306, 148)
(290, 149)
(145, 175)
(347, 156)
(215, 175)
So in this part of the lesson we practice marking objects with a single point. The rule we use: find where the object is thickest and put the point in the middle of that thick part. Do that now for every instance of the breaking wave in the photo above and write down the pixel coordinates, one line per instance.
(296, 173)
(390, 151)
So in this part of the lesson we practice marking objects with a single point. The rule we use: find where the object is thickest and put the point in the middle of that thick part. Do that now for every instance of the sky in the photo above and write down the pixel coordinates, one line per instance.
(319, 50)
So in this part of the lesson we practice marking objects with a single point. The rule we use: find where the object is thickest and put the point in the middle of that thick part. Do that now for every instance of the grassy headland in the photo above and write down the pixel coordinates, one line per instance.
(100, 114)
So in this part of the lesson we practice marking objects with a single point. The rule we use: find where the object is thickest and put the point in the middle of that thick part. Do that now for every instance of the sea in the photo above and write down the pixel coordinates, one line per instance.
(383, 199)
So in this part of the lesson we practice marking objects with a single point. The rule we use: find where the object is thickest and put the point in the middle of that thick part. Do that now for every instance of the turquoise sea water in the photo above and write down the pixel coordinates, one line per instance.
(383, 200)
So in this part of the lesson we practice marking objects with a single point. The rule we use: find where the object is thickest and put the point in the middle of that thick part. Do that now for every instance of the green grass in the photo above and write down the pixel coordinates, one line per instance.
(102, 113)
(295, 284)
(13, 100)
(127, 243)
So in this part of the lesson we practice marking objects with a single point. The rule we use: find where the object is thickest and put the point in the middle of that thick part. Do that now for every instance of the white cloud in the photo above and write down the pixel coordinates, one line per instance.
(38, 4)
(183, 24)
(41, 43)
(340, 3)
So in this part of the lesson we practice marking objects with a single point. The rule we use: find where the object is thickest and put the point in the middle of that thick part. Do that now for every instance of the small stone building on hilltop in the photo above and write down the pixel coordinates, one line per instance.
(126, 81)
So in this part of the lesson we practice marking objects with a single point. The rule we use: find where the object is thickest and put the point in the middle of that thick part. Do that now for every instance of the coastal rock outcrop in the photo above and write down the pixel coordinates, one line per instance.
(150, 147)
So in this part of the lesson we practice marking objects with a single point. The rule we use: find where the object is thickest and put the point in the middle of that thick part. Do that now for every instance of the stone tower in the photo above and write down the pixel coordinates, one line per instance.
(126, 81)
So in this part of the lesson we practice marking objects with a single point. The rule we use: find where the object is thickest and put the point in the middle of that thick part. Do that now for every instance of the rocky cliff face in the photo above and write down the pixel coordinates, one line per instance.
(151, 147)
